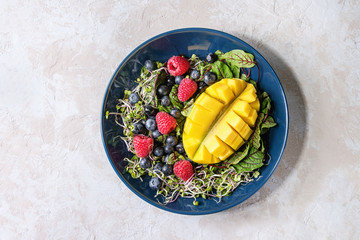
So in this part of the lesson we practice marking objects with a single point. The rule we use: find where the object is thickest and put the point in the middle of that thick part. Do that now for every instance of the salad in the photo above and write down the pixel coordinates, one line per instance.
(197, 127)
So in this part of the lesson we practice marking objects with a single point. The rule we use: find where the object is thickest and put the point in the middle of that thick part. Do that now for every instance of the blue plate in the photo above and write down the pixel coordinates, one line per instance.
(188, 41)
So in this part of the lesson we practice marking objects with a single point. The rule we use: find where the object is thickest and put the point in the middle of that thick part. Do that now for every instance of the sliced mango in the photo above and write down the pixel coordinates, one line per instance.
(190, 144)
(220, 120)
(236, 85)
(202, 116)
(249, 94)
(209, 103)
(221, 92)
(256, 104)
(218, 147)
(228, 135)
(236, 122)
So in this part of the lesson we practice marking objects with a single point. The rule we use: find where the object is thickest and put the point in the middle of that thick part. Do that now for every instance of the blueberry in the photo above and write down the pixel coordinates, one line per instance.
(180, 148)
(168, 149)
(170, 81)
(195, 74)
(202, 85)
(155, 183)
(150, 111)
(156, 134)
(165, 101)
(211, 57)
(145, 163)
(175, 113)
(163, 90)
(171, 141)
(150, 124)
(158, 166)
(159, 151)
(134, 98)
(210, 78)
(139, 128)
(149, 65)
(167, 169)
(178, 79)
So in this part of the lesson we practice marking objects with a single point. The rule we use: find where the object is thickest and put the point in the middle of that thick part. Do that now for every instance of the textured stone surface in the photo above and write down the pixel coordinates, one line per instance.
(56, 60)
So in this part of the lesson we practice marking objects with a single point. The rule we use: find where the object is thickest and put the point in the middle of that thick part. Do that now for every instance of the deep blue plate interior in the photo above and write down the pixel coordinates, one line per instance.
(190, 41)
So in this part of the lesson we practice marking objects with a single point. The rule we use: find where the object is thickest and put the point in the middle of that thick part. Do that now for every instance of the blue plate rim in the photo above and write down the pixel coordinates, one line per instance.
(139, 194)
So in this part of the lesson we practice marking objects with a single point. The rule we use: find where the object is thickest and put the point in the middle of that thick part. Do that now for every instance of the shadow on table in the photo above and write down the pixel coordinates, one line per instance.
(297, 123)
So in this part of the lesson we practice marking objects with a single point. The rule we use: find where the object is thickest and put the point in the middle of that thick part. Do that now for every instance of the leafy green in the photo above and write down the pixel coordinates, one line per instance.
(253, 161)
(238, 156)
(174, 98)
(267, 124)
(239, 58)
(221, 70)
(187, 107)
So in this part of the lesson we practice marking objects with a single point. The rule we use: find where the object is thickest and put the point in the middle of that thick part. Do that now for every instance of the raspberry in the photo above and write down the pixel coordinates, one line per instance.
(178, 65)
(165, 122)
(183, 169)
(142, 145)
(187, 88)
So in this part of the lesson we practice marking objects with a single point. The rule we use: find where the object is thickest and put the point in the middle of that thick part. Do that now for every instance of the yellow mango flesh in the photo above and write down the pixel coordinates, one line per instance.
(249, 94)
(256, 105)
(236, 85)
(220, 121)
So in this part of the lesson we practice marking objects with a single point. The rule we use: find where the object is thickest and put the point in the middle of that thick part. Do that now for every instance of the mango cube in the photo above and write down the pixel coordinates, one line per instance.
(229, 136)
(238, 124)
(249, 94)
(221, 92)
(236, 85)
(218, 147)
(209, 103)
(190, 144)
(255, 105)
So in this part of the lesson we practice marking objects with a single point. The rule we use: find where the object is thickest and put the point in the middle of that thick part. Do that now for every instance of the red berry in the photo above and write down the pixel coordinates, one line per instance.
(142, 145)
(187, 88)
(165, 122)
(183, 169)
(178, 65)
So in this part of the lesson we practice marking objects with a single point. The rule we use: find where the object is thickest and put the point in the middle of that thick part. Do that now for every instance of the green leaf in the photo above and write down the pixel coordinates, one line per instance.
(221, 70)
(187, 108)
(265, 103)
(174, 98)
(252, 162)
(238, 156)
(244, 77)
(255, 138)
(240, 58)
(268, 123)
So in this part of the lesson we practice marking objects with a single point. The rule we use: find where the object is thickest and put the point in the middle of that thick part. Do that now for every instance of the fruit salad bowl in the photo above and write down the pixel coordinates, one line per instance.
(186, 42)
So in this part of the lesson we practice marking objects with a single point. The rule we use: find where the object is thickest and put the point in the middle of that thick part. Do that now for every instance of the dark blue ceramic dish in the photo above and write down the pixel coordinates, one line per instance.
(190, 41)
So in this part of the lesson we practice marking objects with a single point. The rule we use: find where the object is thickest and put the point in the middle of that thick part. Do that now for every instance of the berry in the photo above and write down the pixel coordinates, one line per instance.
(142, 145)
(180, 148)
(195, 74)
(165, 101)
(171, 141)
(150, 124)
(178, 65)
(139, 128)
(178, 79)
(134, 98)
(186, 89)
(145, 163)
(202, 85)
(163, 90)
(168, 149)
(167, 169)
(175, 113)
(149, 65)
(210, 78)
(165, 122)
(158, 166)
(156, 134)
(183, 169)
(211, 57)
(150, 111)
(159, 151)
(170, 81)
(155, 183)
